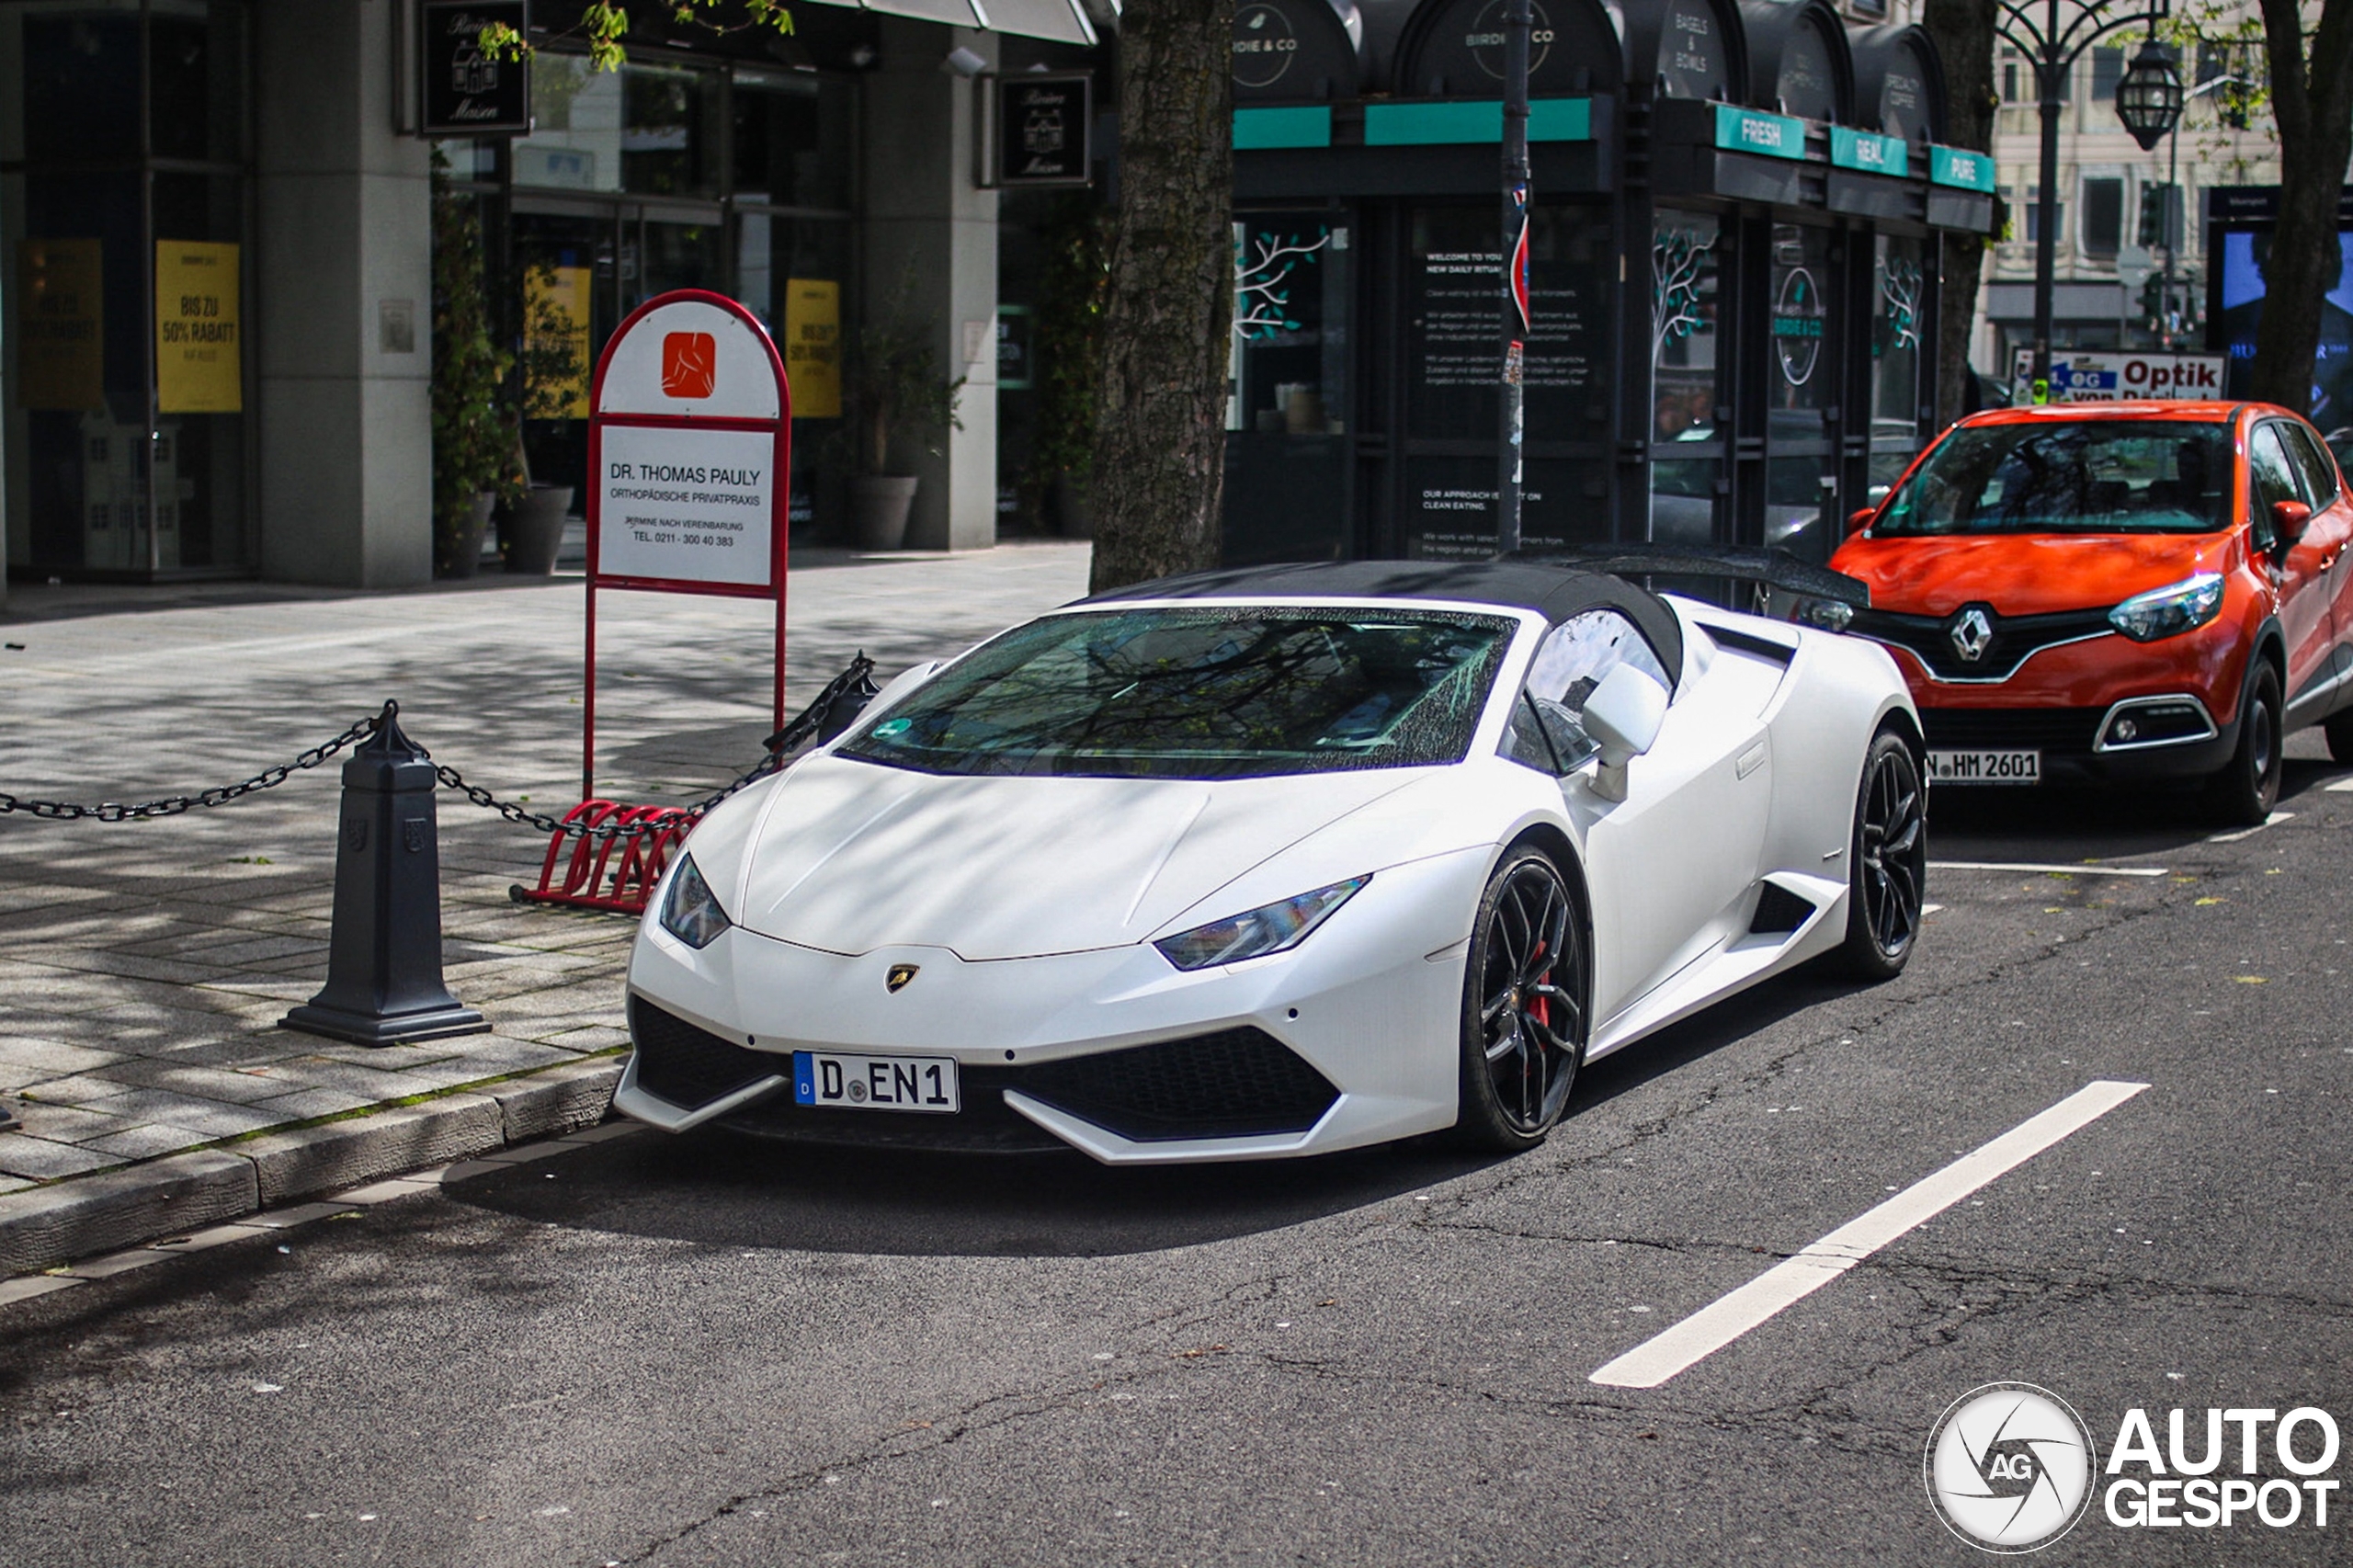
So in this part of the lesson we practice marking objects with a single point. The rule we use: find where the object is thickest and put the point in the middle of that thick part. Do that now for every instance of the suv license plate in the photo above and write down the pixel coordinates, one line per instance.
(833, 1081)
(1985, 766)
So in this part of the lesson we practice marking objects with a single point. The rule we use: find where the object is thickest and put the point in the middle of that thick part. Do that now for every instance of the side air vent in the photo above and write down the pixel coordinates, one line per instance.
(1778, 912)
(1232, 1084)
(690, 1067)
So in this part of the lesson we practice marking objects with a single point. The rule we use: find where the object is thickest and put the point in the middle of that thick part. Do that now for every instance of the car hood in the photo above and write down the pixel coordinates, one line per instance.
(2024, 574)
(851, 856)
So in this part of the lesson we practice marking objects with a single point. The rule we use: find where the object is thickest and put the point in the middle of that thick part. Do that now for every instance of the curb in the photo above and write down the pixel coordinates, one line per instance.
(44, 1227)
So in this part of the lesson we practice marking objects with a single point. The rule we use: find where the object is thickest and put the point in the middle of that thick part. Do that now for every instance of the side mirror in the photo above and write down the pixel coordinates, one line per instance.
(1857, 521)
(2288, 519)
(1622, 715)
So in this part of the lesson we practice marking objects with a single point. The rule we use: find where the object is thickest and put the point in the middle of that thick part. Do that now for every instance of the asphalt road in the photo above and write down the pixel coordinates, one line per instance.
(696, 1351)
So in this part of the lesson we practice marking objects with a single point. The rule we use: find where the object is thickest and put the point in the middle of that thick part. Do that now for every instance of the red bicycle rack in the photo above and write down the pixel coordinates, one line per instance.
(615, 873)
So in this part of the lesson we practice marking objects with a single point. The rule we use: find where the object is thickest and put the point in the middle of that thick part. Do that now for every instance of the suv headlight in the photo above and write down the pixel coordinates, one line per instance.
(690, 913)
(1273, 929)
(2170, 611)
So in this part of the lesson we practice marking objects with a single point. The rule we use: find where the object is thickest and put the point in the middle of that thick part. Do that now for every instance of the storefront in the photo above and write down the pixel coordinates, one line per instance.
(124, 197)
(1729, 266)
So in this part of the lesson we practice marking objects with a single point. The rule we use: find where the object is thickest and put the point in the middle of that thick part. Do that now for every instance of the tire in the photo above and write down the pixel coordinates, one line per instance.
(2244, 792)
(2338, 728)
(1525, 996)
(1887, 863)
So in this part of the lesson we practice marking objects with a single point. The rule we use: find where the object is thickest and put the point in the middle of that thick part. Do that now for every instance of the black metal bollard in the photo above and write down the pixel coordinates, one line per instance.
(384, 981)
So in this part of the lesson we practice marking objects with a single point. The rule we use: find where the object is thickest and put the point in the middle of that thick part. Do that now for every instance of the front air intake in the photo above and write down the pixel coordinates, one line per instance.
(1234, 1084)
(690, 1067)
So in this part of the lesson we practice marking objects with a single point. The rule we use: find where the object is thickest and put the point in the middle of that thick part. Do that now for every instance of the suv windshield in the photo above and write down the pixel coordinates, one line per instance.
(1201, 694)
(2080, 476)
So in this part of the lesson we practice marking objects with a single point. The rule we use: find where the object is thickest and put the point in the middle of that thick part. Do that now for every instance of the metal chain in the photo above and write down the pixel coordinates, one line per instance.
(806, 723)
(172, 806)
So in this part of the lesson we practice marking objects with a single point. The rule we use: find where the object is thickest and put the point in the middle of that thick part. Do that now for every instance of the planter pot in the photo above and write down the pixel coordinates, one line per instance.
(465, 550)
(1071, 505)
(879, 512)
(533, 532)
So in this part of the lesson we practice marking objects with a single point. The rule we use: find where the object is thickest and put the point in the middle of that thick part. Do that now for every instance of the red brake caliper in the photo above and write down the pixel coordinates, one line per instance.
(1542, 1010)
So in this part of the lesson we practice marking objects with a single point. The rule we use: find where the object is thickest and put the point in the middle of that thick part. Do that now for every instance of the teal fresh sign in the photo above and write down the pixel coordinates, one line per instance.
(1259, 129)
(1476, 120)
(1753, 131)
(1960, 170)
(1871, 154)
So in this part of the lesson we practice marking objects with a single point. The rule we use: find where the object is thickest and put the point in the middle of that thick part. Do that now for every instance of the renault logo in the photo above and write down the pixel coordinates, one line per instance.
(900, 975)
(1971, 633)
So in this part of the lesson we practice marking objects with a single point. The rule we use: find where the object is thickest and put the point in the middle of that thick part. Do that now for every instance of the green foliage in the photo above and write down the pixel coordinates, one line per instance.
(473, 436)
(895, 383)
(604, 23)
(1072, 290)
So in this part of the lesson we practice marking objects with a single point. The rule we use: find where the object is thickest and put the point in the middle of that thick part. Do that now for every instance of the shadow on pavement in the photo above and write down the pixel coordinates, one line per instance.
(2076, 824)
(723, 1190)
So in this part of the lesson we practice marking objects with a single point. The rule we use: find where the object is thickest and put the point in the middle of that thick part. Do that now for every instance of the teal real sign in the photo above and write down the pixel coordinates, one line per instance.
(1753, 131)
(1871, 154)
(1960, 170)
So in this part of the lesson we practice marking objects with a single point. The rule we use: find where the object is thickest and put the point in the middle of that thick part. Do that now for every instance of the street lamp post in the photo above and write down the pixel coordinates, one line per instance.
(2148, 100)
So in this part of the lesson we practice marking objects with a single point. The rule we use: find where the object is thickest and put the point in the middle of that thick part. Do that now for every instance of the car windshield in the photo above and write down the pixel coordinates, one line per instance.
(1201, 694)
(2079, 476)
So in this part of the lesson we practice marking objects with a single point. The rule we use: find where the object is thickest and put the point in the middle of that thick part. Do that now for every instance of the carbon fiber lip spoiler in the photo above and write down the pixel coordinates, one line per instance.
(1772, 568)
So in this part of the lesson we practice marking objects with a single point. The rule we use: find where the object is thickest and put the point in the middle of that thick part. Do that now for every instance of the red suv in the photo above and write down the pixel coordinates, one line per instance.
(2116, 592)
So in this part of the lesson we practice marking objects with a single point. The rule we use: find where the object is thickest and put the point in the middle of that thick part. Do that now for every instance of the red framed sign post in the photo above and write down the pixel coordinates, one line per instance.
(689, 462)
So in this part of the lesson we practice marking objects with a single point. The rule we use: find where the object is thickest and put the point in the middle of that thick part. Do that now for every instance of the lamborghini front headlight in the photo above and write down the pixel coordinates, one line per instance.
(1274, 928)
(689, 912)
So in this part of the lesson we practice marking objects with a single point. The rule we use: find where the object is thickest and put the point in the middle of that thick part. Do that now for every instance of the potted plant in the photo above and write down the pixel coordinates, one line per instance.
(897, 391)
(551, 372)
(474, 446)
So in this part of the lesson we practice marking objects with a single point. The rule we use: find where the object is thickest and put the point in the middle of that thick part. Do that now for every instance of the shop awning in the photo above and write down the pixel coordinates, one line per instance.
(1064, 21)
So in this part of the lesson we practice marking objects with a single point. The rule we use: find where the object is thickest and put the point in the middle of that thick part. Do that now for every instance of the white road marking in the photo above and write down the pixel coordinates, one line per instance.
(2272, 821)
(1724, 1320)
(2342, 786)
(1930, 908)
(2052, 870)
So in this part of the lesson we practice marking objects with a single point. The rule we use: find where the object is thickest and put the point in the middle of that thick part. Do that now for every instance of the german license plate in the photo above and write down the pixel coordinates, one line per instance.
(833, 1081)
(1985, 766)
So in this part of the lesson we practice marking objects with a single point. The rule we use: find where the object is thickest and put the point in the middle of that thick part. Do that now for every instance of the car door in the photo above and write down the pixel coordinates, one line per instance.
(2299, 573)
(1671, 865)
(2331, 533)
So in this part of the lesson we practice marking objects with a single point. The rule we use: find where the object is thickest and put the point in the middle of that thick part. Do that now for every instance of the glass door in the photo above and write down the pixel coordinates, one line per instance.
(1800, 449)
(1688, 419)
(1288, 408)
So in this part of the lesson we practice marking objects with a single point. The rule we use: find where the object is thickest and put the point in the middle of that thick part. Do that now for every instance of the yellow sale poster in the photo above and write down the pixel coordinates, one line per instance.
(812, 346)
(61, 326)
(199, 355)
(552, 294)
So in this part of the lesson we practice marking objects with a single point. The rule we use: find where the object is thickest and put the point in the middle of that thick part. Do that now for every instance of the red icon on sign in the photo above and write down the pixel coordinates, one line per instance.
(689, 364)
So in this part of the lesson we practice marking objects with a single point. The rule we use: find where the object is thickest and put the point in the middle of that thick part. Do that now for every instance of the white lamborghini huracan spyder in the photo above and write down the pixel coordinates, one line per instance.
(1268, 862)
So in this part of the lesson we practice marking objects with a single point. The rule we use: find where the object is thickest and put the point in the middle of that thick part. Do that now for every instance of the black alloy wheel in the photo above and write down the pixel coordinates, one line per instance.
(1889, 862)
(1523, 1005)
(2244, 792)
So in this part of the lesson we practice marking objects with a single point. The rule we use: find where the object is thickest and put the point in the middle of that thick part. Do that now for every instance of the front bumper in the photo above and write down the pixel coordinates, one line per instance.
(2089, 745)
(1350, 1039)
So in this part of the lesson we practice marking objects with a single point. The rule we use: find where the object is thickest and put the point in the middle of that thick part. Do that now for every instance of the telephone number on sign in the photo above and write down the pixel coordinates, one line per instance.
(652, 536)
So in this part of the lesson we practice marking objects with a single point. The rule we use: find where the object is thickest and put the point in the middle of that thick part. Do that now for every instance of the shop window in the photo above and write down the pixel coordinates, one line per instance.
(80, 81)
(2103, 216)
(1685, 265)
(1899, 286)
(1289, 404)
(791, 141)
(196, 61)
(669, 131)
(1800, 469)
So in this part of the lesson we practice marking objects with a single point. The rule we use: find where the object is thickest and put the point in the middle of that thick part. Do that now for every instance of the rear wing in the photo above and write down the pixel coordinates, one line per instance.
(1769, 569)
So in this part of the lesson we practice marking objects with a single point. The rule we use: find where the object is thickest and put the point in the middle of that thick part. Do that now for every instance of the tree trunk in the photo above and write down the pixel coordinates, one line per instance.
(1160, 432)
(2311, 102)
(1963, 33)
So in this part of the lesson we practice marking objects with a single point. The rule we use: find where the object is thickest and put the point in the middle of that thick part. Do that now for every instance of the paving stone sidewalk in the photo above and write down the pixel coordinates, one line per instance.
(143, 966)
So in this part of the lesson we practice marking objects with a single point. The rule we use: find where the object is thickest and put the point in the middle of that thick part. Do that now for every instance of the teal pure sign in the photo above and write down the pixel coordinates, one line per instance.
(1960, 170)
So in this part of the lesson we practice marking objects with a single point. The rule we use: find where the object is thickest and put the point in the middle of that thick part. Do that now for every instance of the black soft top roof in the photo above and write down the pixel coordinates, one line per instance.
(1555, 592)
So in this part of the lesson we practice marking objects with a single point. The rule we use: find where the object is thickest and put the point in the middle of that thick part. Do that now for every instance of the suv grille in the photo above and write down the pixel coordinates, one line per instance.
(1997, 729)
(690, 1067)
(2015, 637)
(1232, 1084)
